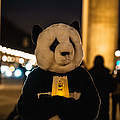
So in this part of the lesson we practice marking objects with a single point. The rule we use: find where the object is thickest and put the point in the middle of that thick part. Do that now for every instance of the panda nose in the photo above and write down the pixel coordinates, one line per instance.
(65, 53)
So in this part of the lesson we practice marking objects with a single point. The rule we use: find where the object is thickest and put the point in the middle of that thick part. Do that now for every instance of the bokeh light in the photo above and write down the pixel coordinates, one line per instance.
(18, 73)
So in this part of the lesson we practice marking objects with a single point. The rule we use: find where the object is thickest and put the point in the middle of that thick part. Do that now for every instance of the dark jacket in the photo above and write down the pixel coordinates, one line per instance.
(39, 81)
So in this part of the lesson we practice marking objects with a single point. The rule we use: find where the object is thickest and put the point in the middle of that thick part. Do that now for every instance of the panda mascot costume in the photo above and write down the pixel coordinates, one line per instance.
(59, 88)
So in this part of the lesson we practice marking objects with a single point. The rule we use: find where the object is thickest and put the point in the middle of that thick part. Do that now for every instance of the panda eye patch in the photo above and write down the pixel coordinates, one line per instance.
(54, 45)
(72, 43)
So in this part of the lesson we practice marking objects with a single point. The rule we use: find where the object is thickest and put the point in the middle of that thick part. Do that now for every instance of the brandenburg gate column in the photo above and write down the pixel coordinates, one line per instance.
(100, 30)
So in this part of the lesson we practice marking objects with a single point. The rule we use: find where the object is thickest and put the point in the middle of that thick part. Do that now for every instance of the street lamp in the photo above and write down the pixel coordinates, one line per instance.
(117, 53)
(117, 59)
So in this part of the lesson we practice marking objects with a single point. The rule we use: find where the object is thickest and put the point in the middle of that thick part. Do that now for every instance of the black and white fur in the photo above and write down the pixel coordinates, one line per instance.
(59, 53)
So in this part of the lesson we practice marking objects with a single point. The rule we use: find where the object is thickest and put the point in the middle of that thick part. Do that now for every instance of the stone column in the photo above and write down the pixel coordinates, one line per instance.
(102, 31)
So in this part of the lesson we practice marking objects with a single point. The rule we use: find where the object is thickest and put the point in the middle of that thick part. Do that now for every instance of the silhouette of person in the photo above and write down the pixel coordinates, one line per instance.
(104, 83)
(116, 95)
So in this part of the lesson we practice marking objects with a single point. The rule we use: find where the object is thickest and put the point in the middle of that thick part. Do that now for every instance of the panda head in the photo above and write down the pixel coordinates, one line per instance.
(58, 47)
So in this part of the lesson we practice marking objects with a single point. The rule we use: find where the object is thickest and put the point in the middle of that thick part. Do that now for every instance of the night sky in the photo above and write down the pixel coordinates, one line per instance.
(26, 13)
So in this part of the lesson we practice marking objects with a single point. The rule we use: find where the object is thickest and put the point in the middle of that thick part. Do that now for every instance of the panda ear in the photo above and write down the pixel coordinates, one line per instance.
(36, 30)
(75, 24)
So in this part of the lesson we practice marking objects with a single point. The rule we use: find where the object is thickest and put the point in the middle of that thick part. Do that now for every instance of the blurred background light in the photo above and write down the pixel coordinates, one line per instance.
(11, 68)
(4, 58)
(8, 73)
(21, 54)
(0, 47)
(4, 68)
(18, 73)
(4, 49)
(117, 53)
(28, 66)
(118, 62)
(21, 60)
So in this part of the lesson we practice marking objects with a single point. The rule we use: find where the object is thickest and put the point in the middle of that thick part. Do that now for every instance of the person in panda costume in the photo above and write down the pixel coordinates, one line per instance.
(59, 88)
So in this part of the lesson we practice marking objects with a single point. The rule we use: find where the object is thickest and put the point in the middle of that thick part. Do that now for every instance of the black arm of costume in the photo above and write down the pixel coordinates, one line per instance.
(90, 99)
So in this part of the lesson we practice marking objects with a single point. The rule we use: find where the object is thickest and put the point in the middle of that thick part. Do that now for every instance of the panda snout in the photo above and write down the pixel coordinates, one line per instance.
(65, 53)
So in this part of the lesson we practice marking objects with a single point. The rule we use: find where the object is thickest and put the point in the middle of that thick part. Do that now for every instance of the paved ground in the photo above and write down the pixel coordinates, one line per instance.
(9, 95)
